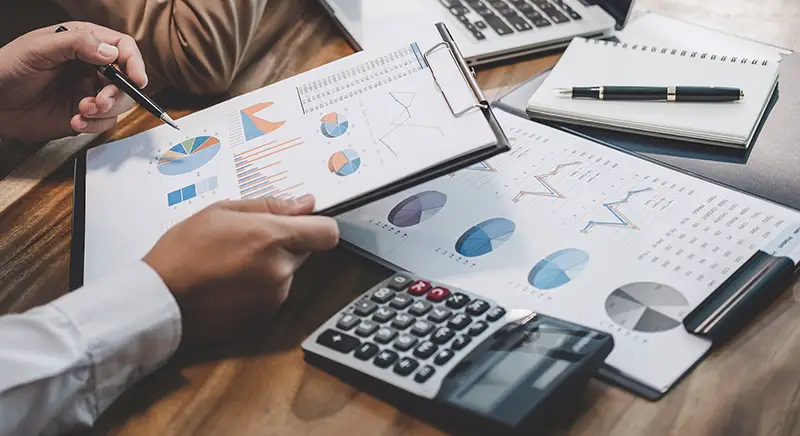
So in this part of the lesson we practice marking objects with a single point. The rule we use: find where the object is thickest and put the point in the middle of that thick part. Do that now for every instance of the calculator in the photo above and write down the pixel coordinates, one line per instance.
(435, 350)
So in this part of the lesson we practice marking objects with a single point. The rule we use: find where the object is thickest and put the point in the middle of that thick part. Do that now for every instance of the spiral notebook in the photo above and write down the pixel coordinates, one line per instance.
(605, 63)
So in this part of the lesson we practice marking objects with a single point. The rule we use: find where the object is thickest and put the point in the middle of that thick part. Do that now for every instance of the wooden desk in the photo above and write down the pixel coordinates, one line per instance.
(260, 385)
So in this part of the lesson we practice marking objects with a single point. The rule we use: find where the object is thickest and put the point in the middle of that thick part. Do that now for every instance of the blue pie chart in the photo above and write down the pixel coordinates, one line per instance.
(485, 237)
(558, 269)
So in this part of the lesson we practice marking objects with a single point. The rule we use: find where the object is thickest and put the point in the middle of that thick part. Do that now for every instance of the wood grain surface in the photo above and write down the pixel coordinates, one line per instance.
(259, 385)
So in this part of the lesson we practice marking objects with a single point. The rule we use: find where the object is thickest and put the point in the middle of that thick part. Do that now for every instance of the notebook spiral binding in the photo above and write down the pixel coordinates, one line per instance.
(676, 52)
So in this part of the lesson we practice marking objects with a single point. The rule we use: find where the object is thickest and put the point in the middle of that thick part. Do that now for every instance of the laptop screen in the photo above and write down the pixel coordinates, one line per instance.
(619, 9)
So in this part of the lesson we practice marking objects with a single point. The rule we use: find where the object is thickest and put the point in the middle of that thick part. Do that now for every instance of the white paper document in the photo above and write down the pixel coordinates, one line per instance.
(582, 232)
(338, 132)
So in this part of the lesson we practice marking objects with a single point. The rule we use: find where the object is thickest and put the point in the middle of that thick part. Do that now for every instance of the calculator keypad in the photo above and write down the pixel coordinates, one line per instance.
(410, 326)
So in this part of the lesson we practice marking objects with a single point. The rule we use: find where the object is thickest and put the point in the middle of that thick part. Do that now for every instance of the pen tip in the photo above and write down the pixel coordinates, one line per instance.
(563, 91)
(168, 119)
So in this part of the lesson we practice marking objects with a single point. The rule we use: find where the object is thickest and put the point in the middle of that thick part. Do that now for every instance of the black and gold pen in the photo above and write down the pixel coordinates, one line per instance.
(655, 93)
(127, 86)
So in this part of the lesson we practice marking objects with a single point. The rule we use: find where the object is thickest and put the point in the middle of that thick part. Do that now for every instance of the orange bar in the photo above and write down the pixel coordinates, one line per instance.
(248, 151)
(256, 156)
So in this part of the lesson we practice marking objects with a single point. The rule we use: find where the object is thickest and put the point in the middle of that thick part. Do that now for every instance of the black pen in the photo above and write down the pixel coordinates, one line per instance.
(125, 85)
(668, 93)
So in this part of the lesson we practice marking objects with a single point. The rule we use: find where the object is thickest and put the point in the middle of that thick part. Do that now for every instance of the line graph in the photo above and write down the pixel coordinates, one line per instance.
(402, 126)
(259, 179)
(621, 221)
(548, 189)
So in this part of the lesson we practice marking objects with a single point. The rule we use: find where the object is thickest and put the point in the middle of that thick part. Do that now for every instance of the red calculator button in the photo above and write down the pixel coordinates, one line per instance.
(420, 287)
(438, 294)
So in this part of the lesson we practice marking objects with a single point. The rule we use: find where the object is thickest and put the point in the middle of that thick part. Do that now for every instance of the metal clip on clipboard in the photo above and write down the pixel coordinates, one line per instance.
(468, 75)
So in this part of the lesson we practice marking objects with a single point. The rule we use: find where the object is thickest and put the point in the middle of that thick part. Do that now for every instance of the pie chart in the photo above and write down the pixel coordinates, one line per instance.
(334, 125)
(558, 269)
(189, 155)
(647, 307)
(344, 163)
(485, 237)
(417, 208)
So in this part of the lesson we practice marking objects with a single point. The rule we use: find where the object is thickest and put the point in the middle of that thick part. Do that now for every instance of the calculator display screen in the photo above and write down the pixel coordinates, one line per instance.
(501, 373)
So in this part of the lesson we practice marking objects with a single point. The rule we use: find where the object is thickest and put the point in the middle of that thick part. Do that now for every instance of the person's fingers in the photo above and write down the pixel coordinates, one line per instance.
(55, 49)
(91, 43)
(89, 108)
(306, 233)
(81, 124)
(107, 98)
(300, 206)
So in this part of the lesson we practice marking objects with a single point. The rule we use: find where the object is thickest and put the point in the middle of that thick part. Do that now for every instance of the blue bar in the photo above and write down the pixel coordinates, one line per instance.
(189, 192)
(420, 58)
(174, 197)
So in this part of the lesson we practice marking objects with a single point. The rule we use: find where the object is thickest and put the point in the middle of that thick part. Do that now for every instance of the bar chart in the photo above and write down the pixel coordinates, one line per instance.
(260, 172)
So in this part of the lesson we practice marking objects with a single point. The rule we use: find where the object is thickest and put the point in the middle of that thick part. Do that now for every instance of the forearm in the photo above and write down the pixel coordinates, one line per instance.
(64, 363)
(195, 45)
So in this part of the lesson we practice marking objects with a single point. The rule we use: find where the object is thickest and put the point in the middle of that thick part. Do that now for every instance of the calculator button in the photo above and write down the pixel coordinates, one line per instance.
(425, 350)
(398, 282)
(366, 351)
(382, 295)
(457, 301)
(365, 308)
(442, 335)
(419, 288)
(495, 314)
(383, 315)
(421, 328)
(405, 366)
(347, 322)
(384, 335)
(477, 307)
(478, 328)
(338, 341)
(459, 322)
(405, 342)
(420, 308)
(443, 357)
(424, 374)
(385, 359)
(366, 328)
(401, 301)
(461, 342)
(439, 314)
(402, 321)
(437, 294)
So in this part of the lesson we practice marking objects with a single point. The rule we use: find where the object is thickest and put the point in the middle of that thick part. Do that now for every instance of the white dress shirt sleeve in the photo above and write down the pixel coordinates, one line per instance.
(62, 364)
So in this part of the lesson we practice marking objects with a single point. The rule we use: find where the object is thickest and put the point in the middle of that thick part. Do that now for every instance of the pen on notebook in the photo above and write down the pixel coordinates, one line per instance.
(655, 93)
(127, 86)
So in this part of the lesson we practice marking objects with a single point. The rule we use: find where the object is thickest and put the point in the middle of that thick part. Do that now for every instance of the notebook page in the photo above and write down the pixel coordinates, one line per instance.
(594, 63)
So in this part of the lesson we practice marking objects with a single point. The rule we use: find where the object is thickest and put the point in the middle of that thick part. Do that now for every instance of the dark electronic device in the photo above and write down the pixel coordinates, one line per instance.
(436, 350)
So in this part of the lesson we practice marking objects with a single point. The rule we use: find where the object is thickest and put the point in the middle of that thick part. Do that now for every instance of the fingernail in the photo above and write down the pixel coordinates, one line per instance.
(92, 109)
(81, 124)
(305, 200)
(111, 102)
(107, 50)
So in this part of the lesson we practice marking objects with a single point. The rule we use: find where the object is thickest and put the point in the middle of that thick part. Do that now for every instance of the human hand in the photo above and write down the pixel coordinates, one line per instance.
(49, 86)
(233, 262)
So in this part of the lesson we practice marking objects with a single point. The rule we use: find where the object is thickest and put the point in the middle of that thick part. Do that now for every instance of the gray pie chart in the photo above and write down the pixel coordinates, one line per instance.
(647, 307)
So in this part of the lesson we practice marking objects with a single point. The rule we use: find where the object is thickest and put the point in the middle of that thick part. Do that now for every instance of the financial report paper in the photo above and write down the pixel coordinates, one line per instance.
(583, 232)
(338, 131)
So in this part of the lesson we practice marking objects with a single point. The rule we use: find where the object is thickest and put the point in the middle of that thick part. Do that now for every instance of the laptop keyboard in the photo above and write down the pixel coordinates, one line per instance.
(506, 17)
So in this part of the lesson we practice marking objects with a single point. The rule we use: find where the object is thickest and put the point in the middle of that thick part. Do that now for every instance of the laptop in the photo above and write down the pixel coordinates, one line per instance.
(486, 30)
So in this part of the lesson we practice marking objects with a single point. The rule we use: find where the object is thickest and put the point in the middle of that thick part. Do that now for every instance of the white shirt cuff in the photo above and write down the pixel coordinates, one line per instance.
(131, 325)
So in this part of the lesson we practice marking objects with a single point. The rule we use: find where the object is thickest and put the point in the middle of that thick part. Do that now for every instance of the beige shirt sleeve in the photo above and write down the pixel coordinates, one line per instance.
(197, 46)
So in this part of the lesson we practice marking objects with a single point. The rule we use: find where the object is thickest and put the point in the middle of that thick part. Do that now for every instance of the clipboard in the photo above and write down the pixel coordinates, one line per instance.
(757, 283)
(77, 248)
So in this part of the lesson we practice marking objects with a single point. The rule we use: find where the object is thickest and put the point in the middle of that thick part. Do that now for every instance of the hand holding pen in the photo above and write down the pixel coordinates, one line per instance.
(50, 87)
(126, 85)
